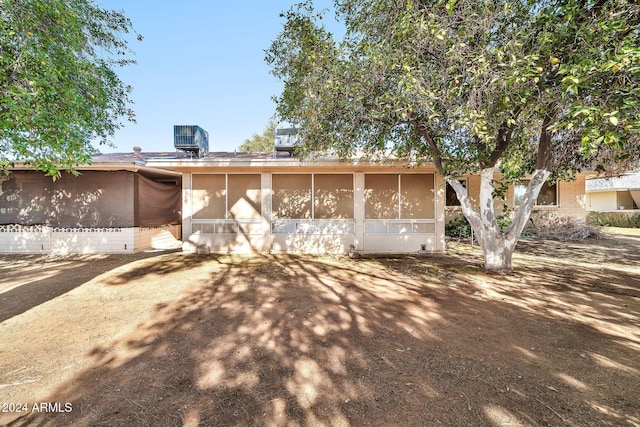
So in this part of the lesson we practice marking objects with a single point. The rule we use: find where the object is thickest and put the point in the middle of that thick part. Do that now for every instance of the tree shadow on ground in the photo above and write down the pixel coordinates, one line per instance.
(28, 281)
(287, 340)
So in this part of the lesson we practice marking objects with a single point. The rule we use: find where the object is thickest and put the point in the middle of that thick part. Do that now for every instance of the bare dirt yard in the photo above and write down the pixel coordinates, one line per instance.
(174, 339)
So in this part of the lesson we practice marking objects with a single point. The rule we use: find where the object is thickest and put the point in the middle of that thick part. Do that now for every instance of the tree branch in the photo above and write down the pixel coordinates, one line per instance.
(436, 153)
(504, 138)
(594, 9)
(482, 147)
(543, 158)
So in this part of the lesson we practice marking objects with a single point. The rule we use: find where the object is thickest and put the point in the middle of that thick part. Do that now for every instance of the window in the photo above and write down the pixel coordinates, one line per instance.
(548, 194)
(333, 196)
(451, 196)
(291, 196)
(221, 196)
(244, 197)
(312, 196)
(406, 196)
(381, 196)
(208, 195)
(416, 196)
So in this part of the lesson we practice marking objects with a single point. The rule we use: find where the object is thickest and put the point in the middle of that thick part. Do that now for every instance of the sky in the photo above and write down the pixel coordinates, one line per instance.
(201, 62)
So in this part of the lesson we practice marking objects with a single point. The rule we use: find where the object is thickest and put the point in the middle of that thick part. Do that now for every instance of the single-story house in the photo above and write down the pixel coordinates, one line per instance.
(615, 193)
(242, 202)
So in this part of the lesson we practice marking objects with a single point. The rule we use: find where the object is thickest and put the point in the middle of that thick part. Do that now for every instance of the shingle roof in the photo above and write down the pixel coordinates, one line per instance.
(625, 182)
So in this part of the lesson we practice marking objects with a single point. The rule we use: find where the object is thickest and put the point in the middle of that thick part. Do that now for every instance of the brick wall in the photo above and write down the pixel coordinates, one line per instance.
(571, 200)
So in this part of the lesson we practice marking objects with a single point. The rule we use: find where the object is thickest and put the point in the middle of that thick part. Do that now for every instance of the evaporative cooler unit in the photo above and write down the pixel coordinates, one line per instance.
(285, 139)
(192, 139)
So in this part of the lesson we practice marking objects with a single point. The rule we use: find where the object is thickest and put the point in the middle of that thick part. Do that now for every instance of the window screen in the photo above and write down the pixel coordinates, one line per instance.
(291, 196)
(546, 197)
(417, 196)
(518, 192)
(208, 193)
(244, 197)
(333, 196)
(381, 196)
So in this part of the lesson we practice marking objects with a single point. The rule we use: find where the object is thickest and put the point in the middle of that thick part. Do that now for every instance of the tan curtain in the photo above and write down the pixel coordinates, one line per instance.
(157, 203)
(92, 199)
(381, 196)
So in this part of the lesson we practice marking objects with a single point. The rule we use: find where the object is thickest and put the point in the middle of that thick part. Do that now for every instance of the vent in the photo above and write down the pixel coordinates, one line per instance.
(192, 139)
(286, 139)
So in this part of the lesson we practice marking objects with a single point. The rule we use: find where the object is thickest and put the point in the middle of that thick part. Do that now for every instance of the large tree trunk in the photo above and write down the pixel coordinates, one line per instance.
(497, 254)
(497, 247)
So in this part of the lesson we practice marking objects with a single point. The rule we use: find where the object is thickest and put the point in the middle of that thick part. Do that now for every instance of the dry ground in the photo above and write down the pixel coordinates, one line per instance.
(175, 339)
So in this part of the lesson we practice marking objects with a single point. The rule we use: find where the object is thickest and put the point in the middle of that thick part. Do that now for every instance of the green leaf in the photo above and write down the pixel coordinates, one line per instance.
(60, 90)
(504, 72)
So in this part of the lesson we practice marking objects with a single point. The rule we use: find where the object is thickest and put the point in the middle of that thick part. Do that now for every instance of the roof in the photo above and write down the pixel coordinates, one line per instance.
(620, 183)
(182, 162)
(170, 166)
(143, 156)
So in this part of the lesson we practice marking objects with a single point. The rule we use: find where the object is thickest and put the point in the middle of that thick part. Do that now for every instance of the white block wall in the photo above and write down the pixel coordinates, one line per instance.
(58, 240)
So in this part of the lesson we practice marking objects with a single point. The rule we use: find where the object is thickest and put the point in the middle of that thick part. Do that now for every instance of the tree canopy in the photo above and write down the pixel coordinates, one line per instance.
(524, 87)
(58, 87)
(261, 143)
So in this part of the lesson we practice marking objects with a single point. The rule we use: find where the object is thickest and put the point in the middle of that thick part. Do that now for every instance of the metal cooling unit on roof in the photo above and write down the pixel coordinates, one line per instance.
(192, 139)
(285, 139)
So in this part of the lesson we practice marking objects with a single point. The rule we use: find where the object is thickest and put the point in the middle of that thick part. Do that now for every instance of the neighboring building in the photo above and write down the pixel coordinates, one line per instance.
(611, 194)
(241, 203)
(111, 207)
(558, 199)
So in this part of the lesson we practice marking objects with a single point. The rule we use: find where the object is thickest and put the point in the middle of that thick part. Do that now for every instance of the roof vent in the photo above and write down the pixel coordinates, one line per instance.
(192, 139)
(137, 150)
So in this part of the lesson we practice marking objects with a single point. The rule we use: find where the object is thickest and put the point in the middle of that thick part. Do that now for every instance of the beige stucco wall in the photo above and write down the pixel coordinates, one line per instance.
(572, 200)
(601, 201)
(613, 200)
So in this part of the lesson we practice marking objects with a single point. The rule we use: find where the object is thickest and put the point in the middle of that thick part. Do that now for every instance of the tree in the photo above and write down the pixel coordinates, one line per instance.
(58, 86)
(521, 87)
(261, 143)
